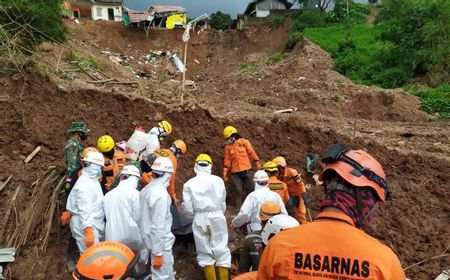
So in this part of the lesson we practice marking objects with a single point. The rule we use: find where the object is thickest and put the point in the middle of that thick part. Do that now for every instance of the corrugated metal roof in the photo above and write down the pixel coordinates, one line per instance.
(107, 1)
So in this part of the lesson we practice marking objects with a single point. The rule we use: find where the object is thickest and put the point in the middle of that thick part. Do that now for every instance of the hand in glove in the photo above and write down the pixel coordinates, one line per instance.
(291, 202)
(225, 174)
(89, 236)
(306, 200)
(65, 218)
(157, 262)
(258, 165)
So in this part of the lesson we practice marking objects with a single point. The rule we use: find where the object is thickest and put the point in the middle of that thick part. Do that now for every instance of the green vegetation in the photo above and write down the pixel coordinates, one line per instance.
(24, 24)
(90, 61)
(275, 58)
(358, 13)
(277, 21)
(220, 21)
(249, 67)
(435, 100)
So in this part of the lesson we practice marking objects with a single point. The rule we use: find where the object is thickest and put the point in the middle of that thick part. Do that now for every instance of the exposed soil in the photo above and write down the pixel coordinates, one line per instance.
(388, 123)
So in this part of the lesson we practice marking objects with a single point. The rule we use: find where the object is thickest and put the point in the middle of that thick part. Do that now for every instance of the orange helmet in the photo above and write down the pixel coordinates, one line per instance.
(358, 168)
(269, 209)
(181, 146)
(106, 260)
(87, 151)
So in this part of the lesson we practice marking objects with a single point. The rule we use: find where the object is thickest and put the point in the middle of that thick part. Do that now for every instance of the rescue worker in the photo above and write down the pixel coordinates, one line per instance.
(72, 248)
(78, 132)
(155, 135)
(155, 220)
(237, 166)
(114, 161)
(122, 211)
(334, 245)
(274, 225)
(85, 204)
(274, 184)
(249, 212)
(298, 198)
(204, 197)
(106, 260)
(253, 243)
(176, 150)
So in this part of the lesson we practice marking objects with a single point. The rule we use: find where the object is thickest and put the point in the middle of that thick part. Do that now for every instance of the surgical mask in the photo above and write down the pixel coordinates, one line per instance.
(98, 173)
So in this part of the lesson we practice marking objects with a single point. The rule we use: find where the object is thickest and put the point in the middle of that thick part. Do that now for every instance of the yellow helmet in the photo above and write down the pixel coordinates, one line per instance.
(204, 157)
(228, 131)
(166, 126)
(280, 161)
(105, 144)
(270, 166)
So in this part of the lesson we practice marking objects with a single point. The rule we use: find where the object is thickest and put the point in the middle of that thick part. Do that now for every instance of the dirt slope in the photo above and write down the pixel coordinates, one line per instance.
(415, 152)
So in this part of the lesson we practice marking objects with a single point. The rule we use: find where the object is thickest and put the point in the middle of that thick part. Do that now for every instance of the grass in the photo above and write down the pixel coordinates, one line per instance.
(277, 21)
(249, 67)
(91, 61)
(275, 58)
(434, 100)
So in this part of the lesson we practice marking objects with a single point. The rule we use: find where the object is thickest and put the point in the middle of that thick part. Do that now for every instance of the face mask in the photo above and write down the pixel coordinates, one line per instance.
(98, 173)
(230, 140)
(83, 136)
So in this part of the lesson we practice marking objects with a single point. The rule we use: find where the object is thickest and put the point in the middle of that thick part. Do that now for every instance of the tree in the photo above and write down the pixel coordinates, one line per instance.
(322, 4)
(220, 21)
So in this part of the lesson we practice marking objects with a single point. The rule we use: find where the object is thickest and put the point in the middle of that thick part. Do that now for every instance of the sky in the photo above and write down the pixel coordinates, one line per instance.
(194, 7)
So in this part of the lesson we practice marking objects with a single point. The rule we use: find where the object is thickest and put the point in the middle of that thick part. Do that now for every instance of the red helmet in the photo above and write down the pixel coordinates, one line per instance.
(358, 168)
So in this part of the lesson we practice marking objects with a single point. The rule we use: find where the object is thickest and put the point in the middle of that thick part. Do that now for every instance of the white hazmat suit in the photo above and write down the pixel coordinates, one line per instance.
(121, 206)
(155, 222)
(249, 211)
(85, 202)
(152, 142)
(204, 197)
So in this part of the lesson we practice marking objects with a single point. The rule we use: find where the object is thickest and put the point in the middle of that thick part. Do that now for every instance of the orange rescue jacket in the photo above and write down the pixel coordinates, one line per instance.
(279, 187)
(113, 167)
(331, 247)
(293, 181)
(238, 156)
(246, 276)
(168, 153)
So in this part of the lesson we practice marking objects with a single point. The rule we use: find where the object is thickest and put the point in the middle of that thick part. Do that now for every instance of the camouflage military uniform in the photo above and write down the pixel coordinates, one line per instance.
(250, 252)
(72, 154)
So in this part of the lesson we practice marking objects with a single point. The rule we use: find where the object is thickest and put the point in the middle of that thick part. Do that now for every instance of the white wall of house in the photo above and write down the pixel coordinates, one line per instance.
(263, 8)
(107, 12)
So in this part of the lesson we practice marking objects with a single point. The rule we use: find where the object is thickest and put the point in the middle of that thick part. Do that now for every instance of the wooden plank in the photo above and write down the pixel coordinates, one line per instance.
(5, 183)
(31, 156)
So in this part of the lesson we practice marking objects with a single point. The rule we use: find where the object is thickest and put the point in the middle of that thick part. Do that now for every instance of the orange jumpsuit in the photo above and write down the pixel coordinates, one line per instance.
(331, 247)
(238, 155)
(168, 153)
(279, 187)
(295, 187)
(112, 168)
(246, 276)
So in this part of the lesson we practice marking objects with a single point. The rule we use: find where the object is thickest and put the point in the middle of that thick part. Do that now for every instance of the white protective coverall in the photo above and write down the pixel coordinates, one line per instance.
(155, 222)
(204, 197)
(85, 202)
(121, 206)
(152, 143)
(249, 211)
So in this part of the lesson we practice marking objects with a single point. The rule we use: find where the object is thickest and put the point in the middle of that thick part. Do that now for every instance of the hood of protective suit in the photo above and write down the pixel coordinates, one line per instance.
(92, 170)
(258, 186)
(162, 181)
(199, 170)
(155, 131)
(131, 182)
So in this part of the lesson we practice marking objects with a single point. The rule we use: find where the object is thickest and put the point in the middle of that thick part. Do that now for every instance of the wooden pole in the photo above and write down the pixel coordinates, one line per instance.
(31, 156)
(184, 72)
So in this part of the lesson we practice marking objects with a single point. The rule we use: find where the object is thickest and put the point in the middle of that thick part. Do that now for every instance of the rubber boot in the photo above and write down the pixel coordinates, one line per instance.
(223, 273)
(210, 272)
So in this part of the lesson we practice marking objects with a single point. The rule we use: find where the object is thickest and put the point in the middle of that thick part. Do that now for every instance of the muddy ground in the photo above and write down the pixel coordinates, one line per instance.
(37, 109)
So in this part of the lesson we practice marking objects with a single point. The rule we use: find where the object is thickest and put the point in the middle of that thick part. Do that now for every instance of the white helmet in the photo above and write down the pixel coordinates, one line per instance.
(131, 170)
(162, 164)
(95, 157)
(276, 224)
(261, 176)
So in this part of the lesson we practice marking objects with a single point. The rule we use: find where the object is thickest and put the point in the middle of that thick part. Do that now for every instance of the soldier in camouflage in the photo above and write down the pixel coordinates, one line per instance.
(72, 152)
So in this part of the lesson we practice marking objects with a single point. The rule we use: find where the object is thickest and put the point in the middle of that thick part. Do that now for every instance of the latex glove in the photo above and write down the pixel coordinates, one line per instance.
(258, 165)
(89, 236)
(225, 174)
(157, 262)
(65, 218)
(306, 200)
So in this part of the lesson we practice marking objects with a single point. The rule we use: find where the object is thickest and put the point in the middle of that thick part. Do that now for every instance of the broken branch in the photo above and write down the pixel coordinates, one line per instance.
(31, 156)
